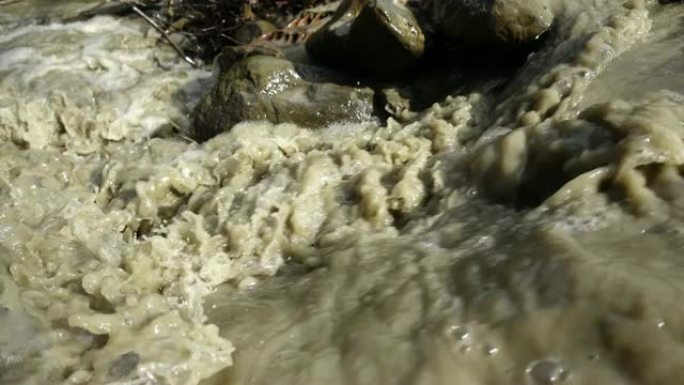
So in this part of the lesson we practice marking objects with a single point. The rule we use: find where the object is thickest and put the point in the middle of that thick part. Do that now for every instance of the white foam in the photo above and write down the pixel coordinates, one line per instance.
(104, 73)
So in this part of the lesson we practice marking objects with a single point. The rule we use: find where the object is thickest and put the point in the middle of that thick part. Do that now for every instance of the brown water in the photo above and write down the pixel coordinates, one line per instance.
(653, 64)
(529, 238)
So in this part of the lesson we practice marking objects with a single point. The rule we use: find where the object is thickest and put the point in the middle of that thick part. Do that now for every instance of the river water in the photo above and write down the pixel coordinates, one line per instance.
(529, 237)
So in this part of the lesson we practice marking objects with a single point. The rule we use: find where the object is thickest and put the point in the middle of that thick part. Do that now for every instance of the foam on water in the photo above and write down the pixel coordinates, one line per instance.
(110, 77)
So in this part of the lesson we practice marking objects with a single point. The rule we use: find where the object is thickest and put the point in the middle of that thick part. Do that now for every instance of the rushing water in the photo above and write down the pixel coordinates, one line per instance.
(532, 237)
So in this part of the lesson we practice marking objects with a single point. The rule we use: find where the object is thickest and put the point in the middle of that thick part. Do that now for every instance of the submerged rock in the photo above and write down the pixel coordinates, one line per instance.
(491, 22)
(272, 89)
(124, 364)
(380, 38)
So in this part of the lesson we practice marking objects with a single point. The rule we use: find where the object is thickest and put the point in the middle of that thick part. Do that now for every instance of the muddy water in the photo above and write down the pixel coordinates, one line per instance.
(532, 237)
(651, 65)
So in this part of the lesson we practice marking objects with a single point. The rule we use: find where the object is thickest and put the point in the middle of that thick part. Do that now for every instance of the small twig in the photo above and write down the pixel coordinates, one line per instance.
(7, 2)
(161, 30)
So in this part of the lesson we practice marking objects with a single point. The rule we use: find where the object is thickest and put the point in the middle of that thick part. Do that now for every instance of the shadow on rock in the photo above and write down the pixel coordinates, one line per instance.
(273, 89)
(373, 60)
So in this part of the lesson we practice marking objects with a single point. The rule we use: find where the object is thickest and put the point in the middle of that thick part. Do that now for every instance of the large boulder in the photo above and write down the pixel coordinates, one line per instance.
(486, 22)
(379, 38)
(274, 89)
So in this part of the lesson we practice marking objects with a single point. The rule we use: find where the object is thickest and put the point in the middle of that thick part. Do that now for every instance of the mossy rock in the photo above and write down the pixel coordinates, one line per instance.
(492, 22)
(271, 89)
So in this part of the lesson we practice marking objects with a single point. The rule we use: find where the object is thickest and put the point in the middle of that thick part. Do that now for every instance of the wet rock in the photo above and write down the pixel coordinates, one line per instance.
(231, 55)
(274, 89)
(484, 22)
(379, 38)
(124, 364)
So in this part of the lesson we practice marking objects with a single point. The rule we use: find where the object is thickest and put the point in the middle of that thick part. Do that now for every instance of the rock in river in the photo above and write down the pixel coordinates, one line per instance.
(267, 88)
(480, 22)
(380, 38)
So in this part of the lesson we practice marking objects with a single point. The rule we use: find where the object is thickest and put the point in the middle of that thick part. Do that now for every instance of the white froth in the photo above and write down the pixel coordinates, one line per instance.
(94, 81)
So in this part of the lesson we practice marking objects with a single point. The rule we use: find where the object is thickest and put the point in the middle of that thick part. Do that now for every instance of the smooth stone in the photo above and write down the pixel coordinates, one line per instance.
(486, 22)
(266, 88)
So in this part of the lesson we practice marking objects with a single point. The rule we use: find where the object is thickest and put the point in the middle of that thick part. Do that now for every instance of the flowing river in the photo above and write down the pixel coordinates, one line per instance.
(530, 237)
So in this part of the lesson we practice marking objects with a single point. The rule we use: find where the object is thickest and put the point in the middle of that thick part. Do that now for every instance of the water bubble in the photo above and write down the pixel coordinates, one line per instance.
(546, 372)
(491, 350)
(461, 337)
(460, 333)
(660, 324)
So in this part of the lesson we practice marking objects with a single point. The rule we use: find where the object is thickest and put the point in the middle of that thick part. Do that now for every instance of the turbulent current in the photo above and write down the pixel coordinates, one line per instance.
(530, 237)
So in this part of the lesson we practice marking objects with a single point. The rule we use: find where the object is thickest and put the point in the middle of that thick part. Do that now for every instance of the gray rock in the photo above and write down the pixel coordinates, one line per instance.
(124, 365)
(274, 89)
(485, 22)
(380, 38)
